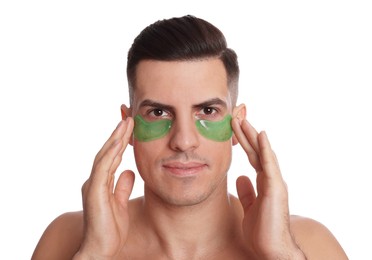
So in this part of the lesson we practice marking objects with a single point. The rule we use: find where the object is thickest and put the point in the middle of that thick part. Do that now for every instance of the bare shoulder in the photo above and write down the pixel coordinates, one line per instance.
(315, 240)
(62, 238)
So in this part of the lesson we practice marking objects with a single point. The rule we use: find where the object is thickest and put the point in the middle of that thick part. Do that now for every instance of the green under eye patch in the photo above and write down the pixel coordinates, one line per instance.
(219, 131)
(145, 131)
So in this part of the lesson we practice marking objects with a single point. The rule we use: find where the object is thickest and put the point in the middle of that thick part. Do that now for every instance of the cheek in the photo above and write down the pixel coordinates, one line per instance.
(141, 154)
(147, 155)
(220, 155)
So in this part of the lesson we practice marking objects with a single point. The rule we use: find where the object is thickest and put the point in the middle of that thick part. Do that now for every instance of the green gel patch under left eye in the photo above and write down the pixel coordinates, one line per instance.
(218, 131)
(145, 131)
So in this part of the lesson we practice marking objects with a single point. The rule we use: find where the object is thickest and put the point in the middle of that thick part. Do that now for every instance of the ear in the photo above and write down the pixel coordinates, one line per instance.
(126, 112)
(239, 112)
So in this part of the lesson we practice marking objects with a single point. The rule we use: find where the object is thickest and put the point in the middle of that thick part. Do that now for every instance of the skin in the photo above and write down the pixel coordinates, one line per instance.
(186, 211)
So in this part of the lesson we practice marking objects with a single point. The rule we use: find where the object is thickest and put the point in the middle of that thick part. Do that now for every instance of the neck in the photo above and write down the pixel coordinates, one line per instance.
(209, 225)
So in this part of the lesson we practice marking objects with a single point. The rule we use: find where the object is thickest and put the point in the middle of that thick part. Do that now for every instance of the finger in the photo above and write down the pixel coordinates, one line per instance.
(84, 191)
(246, 138)
(124, 187)
(246, 193)
(101, 169)
(116, 134)
(268, 158)
(125, 139)
(270, 182)
(251, 134)
(111, 183)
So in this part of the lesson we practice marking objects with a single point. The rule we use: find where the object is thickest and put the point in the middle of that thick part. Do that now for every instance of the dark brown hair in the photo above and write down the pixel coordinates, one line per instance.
(181, 39)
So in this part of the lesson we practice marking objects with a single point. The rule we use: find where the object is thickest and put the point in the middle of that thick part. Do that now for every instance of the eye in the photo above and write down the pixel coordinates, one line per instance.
(158, 113)
(208, 111)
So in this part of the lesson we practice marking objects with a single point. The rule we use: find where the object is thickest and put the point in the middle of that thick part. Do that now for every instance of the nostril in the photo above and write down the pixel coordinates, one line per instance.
(184, 137)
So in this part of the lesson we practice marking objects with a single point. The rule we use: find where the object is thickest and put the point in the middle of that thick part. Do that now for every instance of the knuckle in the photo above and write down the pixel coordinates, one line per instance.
(97, 157)
(97, 165)
(84, 187)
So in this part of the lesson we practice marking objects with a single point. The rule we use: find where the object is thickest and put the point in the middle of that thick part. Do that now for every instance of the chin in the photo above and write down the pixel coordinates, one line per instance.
(185, 201)
(184, 198)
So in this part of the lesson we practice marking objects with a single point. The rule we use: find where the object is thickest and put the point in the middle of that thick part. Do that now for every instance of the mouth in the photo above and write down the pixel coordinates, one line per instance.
(188, 169)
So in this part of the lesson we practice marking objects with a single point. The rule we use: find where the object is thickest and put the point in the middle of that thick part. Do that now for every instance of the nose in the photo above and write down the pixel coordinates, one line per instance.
(184, 135)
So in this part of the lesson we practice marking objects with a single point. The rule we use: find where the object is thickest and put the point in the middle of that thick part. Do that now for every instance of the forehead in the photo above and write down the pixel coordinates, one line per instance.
(175, 82)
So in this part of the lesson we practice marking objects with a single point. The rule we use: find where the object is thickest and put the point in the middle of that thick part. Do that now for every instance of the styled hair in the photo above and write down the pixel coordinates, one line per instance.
(182, 39)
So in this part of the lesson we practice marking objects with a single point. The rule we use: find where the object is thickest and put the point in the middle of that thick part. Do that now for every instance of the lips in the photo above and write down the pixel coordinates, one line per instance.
(188, 169)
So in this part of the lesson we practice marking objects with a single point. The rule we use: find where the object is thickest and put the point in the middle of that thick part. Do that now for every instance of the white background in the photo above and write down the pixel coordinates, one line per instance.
(305, 76)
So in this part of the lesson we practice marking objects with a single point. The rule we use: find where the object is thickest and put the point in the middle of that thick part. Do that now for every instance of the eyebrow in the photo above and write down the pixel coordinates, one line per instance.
(152, 103)
(207, 103)
(211, 102)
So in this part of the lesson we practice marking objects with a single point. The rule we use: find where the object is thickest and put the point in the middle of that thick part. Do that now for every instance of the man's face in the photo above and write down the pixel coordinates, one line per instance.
(182, 167)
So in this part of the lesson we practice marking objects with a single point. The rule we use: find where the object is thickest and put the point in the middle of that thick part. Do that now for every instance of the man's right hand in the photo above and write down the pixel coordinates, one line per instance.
(106, 218)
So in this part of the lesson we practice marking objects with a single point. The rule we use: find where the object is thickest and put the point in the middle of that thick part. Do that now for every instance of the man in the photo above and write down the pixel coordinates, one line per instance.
(182, 123)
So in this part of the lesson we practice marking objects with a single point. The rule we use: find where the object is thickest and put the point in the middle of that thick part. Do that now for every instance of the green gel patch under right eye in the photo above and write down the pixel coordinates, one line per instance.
(145, 131)
(219, 131)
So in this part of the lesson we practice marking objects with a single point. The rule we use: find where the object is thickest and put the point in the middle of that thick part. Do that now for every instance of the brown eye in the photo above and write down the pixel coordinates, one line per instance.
(158, 112)
(208, 110)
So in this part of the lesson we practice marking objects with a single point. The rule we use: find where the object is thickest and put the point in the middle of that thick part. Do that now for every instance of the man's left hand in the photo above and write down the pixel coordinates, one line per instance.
(266, 224)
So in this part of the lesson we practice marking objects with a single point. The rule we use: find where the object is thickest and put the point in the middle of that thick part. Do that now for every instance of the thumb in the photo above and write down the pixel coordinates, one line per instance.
(246, 193)
(124, 187)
